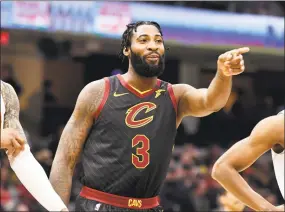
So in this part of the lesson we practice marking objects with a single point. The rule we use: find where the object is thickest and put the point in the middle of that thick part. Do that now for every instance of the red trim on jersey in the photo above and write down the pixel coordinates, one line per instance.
(172, 96)
(136, 92)
(119, 201)
(104, 99)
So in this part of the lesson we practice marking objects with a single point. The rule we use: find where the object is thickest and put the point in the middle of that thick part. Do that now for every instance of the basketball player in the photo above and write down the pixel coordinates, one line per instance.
(26, 167)
(267, 134)
(125, 126)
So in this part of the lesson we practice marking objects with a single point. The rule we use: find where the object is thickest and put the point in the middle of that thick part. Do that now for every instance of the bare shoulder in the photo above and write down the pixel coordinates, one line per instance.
(91, 96)
(191, 101)
(270, 129)
(6, 85)
(10, 97)
(180, 89)
(7, 90)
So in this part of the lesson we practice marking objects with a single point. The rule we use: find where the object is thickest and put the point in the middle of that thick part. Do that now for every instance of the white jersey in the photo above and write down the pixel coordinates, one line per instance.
(278, 163)
(2, 111)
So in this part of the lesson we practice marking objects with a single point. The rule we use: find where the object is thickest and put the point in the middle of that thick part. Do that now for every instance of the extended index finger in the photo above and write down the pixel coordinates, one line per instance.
(242, 50)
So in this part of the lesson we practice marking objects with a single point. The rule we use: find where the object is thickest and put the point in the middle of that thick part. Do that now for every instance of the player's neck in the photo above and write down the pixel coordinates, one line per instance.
(139, 82)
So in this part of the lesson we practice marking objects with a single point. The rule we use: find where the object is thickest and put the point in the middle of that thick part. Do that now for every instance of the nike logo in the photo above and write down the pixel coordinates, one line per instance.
(119, 94)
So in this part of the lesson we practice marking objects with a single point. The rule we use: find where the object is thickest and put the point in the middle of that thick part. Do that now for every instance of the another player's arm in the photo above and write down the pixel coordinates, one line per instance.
(11, 118)
(24, 161)
(73, 138)
(265, 135)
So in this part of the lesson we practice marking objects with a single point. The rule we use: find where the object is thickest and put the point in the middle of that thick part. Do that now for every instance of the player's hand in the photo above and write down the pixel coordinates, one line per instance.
(232, 63)
(12, 141)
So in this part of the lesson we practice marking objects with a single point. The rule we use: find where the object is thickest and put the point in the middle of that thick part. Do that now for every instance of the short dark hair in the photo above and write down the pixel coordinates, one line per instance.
(127, 35)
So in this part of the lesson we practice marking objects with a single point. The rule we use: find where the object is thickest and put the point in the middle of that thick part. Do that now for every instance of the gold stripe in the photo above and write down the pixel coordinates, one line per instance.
(141, 92)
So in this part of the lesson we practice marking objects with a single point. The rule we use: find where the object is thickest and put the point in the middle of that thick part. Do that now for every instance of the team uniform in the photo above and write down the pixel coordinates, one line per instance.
(278, 163)
(126, 155)
(2, 112)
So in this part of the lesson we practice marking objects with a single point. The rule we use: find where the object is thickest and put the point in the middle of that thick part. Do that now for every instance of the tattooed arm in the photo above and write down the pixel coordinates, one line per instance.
(73, 138)
(24, 161)
(12, 105)
(12, 137)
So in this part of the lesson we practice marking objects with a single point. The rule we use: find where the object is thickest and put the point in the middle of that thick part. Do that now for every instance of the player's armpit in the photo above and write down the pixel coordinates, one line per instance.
(73, 138)
(12, 106)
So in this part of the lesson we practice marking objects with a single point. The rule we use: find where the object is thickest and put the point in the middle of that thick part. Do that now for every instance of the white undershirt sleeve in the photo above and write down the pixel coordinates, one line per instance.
(33, 177)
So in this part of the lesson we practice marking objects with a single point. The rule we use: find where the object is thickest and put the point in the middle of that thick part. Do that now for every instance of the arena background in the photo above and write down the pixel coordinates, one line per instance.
(51, 50)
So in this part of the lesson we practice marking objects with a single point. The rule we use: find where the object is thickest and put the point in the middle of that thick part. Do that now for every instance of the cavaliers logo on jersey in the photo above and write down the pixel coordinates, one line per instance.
(132, 113)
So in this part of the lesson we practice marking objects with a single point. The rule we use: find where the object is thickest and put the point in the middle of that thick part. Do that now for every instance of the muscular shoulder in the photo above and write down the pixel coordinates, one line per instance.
(191, 101)
(180, 89)
(91, 96)
(6, 88)
(270, 130)
(10, 97)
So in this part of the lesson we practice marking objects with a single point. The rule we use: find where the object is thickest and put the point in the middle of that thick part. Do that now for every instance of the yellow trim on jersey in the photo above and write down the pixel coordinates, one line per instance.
(141, 92)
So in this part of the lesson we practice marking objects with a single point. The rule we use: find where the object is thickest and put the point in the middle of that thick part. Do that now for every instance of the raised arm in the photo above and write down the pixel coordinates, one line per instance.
(73, 138)
(202, 102)
(264, 136)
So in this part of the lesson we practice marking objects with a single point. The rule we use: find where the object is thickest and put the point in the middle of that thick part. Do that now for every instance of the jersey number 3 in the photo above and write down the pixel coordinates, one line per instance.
(141, 159)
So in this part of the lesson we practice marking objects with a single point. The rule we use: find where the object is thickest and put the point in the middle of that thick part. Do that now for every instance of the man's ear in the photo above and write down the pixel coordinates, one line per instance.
(126, 52)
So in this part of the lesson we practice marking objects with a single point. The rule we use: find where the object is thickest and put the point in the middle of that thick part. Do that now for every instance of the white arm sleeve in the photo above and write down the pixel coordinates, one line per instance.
(34, 178)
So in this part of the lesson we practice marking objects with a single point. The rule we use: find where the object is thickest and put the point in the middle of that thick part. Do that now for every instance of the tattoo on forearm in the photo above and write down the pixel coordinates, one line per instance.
(12, 108)
(72, 140)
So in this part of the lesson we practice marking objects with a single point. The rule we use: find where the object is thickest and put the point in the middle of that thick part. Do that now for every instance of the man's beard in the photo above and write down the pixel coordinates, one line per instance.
(144, 69)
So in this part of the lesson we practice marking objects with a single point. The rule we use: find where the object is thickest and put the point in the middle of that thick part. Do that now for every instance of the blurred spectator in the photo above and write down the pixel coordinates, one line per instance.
(49, 97)
(55, 139)
(50, 108)
(200, 195)
(22, 207)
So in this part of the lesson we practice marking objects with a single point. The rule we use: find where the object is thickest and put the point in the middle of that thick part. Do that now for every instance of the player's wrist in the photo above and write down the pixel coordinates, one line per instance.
(220, 74)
